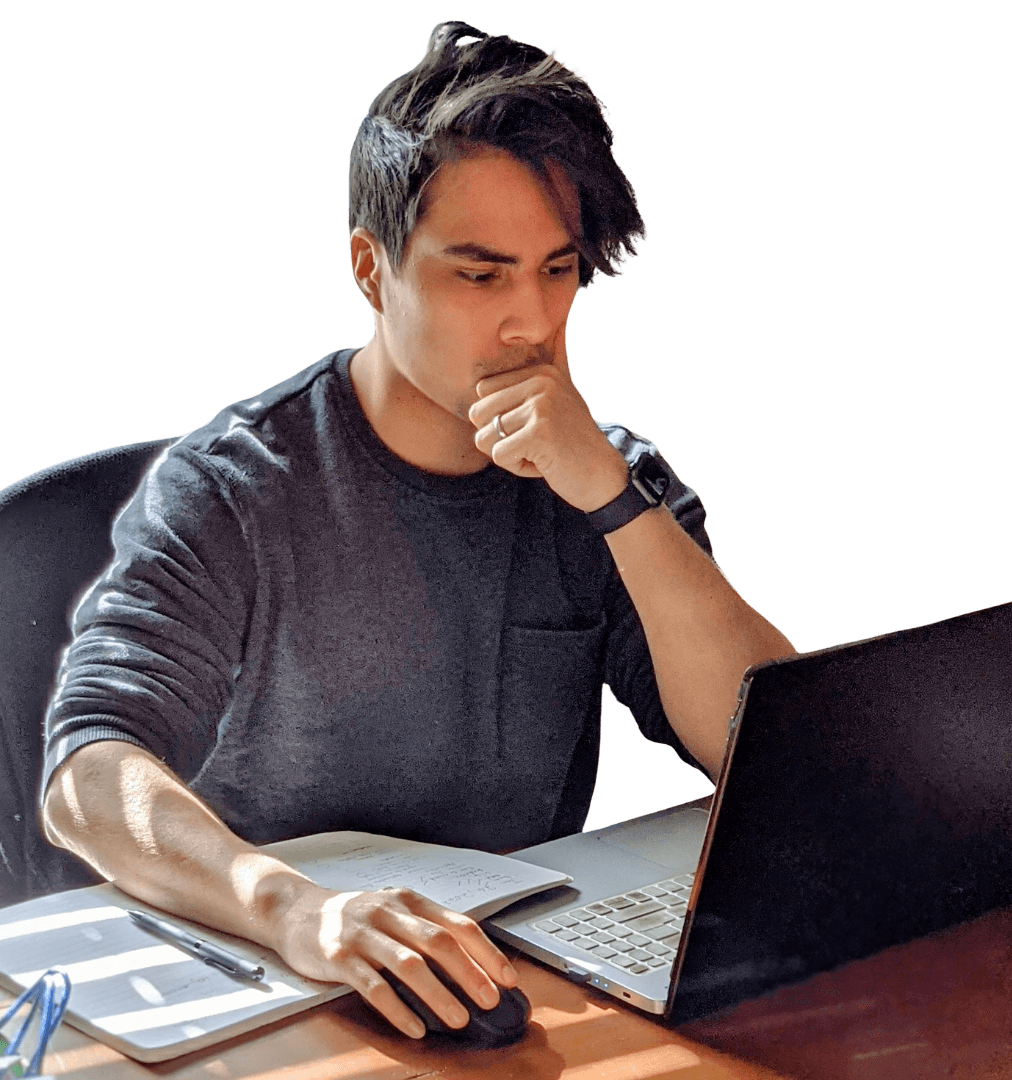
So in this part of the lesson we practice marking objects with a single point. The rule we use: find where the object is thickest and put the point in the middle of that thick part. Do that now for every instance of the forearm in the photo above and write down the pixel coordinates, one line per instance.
(120, 809)
(702, 636)
(117, 807)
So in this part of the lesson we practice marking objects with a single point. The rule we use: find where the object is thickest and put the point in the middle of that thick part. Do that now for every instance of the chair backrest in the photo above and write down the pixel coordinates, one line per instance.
(54, 541)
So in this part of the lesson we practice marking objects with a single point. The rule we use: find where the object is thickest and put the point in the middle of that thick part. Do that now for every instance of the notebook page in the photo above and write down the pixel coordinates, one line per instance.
(135, 991)
(475, 883)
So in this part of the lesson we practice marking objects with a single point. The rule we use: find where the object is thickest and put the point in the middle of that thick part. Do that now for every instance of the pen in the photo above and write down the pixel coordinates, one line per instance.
(214, 955)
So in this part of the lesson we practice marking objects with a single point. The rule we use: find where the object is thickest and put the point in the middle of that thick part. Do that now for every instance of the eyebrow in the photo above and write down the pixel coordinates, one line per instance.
(477, 253)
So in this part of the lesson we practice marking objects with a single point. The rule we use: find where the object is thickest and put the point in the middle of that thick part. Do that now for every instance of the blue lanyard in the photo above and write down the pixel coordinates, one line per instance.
(47, 1001)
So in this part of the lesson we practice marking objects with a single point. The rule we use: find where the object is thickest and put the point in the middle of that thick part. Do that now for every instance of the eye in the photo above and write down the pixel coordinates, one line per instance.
(478, 277)
(560, 269)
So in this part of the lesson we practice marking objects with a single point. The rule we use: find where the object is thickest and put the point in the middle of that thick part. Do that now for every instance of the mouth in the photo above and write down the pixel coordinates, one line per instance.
(514, 362)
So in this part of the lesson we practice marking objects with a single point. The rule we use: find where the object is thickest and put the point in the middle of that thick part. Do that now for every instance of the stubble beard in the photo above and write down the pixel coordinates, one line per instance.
(513, 359)
(508, 359)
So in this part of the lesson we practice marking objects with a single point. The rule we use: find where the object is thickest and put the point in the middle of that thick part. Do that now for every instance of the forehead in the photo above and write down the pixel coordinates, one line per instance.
(493, 199)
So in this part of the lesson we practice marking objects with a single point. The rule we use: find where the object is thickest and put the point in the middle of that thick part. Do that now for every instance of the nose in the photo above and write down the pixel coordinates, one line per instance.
(527, 320)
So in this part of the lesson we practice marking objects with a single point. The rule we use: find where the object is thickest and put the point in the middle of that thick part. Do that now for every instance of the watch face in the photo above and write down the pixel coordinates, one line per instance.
(650, 476)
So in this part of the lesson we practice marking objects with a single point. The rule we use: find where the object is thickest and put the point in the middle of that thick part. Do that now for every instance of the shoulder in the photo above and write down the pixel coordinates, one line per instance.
(244, 458)
(269, 419)
(260, 436)
(627, 442)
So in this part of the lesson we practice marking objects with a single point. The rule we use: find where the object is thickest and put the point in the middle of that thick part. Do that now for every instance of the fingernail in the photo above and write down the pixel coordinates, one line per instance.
(488, 998)
(509, 975)
(416, 1029)
(460, 1016)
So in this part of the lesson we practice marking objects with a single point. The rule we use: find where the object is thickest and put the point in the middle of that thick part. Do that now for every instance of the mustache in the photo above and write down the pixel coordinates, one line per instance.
(515, 359)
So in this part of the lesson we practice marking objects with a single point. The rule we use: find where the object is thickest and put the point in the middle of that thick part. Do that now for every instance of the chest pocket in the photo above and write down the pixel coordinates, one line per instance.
(550, 687)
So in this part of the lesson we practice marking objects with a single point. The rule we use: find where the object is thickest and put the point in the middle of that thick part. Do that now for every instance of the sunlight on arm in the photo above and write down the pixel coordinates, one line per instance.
(138, 795)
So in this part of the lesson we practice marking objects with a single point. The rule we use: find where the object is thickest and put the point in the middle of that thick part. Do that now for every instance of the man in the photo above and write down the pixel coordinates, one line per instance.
(328, 609)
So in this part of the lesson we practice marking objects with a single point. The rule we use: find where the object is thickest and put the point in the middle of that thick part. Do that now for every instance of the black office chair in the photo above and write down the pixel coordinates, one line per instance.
(54, 540)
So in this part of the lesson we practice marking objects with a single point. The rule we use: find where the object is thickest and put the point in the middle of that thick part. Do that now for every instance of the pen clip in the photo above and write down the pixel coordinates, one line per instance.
(253, 973)
(220, 965)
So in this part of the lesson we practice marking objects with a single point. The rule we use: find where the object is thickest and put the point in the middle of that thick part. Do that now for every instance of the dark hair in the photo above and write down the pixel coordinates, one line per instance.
(470, 91)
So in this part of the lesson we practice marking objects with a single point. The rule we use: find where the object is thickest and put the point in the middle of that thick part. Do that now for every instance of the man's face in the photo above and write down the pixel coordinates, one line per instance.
(487, 280)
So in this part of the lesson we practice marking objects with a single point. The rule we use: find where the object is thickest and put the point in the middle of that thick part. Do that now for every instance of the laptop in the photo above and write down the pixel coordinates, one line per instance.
(865, 799)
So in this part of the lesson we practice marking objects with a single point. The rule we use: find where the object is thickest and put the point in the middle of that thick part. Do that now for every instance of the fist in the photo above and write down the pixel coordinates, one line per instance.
(545, 429)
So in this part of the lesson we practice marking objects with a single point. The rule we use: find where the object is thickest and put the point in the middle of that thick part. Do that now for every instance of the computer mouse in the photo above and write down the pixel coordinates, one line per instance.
(487, 1028)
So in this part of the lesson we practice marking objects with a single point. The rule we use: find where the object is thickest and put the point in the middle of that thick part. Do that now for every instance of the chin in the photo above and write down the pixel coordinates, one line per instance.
(462, 407)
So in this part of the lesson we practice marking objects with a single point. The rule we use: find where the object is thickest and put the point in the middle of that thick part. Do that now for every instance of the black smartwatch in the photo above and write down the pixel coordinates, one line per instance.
(648, 481)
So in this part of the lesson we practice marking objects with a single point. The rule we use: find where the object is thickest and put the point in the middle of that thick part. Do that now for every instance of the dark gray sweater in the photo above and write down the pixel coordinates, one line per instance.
(316, 635)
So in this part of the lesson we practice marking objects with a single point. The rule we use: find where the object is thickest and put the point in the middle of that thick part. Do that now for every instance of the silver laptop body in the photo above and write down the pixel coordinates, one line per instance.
(618, 925)
(865, 800)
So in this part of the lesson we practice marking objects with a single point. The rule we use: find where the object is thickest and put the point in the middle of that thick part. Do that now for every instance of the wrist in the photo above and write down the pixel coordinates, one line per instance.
(276, 900)
(647, 481)
(604, 481)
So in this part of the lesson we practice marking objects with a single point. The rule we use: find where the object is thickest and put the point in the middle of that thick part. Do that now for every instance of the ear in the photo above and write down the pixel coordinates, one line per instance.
(367, 260)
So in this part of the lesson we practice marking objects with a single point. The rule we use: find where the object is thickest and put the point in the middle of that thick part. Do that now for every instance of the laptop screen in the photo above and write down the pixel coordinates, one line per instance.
(867, 800)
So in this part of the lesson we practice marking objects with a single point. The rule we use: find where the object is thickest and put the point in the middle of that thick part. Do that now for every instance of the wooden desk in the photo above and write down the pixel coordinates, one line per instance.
(574, 1034)
(938, 1008)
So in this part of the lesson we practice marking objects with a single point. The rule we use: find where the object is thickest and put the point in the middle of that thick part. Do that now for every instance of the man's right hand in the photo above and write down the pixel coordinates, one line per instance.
(351, 937)
(119, 808)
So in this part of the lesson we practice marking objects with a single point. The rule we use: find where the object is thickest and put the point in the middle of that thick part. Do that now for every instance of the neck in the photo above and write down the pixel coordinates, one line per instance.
(407, 422)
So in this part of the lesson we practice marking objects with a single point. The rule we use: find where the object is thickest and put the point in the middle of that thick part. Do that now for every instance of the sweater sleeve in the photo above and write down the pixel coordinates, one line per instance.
(157, 640)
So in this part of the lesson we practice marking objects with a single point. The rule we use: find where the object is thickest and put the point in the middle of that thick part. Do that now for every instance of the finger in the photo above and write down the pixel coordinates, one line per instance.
(378, 993)
(513, 450)
(510, 454)
(491, 384)
(414, 971)
(489, 960)
(382, 954)
(508, 397)
(460, 947)
(511, 423)
(471, 938)
(506, 453)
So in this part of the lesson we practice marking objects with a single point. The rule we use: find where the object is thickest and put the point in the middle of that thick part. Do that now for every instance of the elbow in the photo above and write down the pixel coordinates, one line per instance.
(62, 814)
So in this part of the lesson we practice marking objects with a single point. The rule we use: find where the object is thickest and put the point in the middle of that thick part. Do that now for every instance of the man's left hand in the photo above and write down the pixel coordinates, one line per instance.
(549, 432)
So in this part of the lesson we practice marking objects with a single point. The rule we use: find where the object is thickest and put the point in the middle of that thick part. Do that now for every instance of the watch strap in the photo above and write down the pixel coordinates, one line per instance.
(638, 495)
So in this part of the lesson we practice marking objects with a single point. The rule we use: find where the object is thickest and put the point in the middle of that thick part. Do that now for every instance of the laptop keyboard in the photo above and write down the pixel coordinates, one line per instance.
(637, 932)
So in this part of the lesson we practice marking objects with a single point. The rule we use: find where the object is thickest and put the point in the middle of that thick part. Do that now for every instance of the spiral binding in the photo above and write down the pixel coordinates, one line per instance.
(47, 1001)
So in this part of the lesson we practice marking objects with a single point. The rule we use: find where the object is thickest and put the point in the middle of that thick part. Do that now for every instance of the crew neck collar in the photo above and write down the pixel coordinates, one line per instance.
(469, 486)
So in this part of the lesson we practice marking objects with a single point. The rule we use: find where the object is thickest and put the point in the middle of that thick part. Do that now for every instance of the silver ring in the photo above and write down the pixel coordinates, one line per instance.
(497, 424)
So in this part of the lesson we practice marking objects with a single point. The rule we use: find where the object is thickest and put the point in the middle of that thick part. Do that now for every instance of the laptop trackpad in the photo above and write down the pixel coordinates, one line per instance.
(671, 839)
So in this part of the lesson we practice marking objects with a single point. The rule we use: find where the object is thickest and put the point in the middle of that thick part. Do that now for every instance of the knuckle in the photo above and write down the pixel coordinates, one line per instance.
(367, 912)
(408, 963)
(341, 953)
(438, 938)
(374, 989)
(402, 895)
(467, 925)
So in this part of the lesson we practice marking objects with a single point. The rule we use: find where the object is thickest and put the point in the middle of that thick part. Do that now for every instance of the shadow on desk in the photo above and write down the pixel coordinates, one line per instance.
(573, 1035)
(939, 1007)
(532, 1057)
